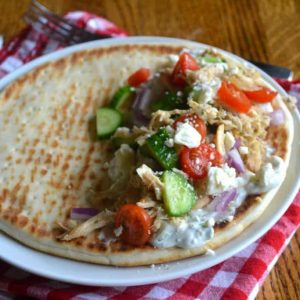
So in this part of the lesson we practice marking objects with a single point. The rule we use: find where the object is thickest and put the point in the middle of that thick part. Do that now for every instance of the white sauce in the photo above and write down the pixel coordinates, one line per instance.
(187, 135)
(197, 227)
(193, 231)
(269, 176)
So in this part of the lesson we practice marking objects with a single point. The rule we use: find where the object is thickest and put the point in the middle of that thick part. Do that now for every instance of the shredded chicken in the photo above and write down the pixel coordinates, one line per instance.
(120, 169)
(88, 226)
(146, 202)
(158, 215)
(202, 201)
(254, 158)
(163, 118)
(206, 74)
(251, 128)
(63, 226)
(151, 181)
(207, 112)
(243, 82)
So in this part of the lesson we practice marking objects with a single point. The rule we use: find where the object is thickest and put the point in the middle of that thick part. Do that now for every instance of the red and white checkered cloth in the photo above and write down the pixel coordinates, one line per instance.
(239, 277)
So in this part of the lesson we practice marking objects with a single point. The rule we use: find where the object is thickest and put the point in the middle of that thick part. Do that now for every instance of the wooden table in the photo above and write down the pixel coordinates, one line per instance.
(261, 30)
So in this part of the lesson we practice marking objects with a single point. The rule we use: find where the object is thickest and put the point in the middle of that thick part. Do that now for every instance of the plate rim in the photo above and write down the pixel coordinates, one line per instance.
(159, 274)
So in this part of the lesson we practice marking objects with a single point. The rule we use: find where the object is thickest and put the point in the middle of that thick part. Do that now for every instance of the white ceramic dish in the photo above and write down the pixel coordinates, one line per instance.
(89, 274)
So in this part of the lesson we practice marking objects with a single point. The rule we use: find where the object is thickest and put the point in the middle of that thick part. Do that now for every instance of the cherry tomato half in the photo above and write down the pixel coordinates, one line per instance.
(262, 95)
(194, 161)
(195, 121)
(136, 224)
(233, 98)
(139, 77)
(185, 62)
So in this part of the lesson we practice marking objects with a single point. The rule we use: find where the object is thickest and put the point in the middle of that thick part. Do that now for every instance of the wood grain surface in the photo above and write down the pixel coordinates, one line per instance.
(261, 30)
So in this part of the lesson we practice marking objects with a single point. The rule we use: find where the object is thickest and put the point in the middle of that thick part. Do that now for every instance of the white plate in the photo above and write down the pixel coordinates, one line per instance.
(90, 274)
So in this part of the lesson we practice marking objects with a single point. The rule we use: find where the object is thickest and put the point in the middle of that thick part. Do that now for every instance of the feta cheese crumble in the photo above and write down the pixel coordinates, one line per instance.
(244, 150)
(221, 179)
(187, 135)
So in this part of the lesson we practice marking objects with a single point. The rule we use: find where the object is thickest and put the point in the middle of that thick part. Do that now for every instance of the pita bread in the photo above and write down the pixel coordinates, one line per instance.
(50, 163)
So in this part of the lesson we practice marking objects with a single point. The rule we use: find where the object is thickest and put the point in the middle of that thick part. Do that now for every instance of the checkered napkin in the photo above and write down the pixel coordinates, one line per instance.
(239, 277)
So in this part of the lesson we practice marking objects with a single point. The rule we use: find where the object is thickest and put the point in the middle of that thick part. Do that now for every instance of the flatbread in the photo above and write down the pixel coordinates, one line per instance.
(50, 163)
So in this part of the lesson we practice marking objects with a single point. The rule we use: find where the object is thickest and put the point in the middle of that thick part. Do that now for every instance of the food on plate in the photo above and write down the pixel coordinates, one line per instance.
(140, 154)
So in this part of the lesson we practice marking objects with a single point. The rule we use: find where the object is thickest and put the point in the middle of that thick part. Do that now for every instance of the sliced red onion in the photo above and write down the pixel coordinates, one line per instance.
(80, 213)
(220, 203)
(147, 95)
(141, 107)
(234, 160)
(277, 117)
(237, 143)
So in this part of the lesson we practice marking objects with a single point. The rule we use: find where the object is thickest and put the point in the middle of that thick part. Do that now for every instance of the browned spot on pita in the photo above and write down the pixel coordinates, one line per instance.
(56, 160)
(43, 172)
(92, 176)
(33, 173)
(85, 167)
(32, 228)
(48, 158)
(42, 232)
(55, 184)
(15, 189)
(79, 241)
(54, 144)
(22, 221)
(91, 246)
(23, 196)
(65, 167)
(60, 64)
(8, 92)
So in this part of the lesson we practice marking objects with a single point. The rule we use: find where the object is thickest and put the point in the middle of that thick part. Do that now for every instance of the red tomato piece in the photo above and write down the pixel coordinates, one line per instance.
(194, 161)
(195, 121)
(262, 95)
(233, 98)
(139, 77)
(185, 62)
(136, 224)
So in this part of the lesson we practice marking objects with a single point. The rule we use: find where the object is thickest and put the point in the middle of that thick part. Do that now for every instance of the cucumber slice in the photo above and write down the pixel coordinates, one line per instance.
(178, 194)
(170, 101)
(122, 99)
(108, 120)
(156, 147)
